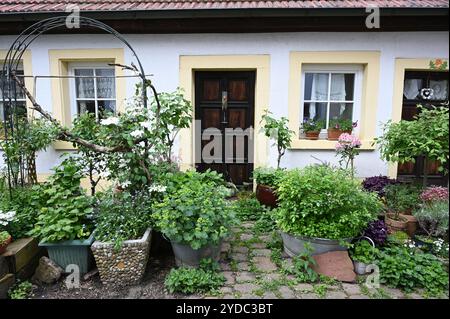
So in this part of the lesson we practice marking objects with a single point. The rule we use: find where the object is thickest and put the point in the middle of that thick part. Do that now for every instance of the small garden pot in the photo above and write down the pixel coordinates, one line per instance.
(185, 255)
(295, 245)
(360, 268)
(333, 134)
(126, 266)
(71, 252)
(312, 135)
(411, 225)
(266, 195)
(394, 225)
(3, 247)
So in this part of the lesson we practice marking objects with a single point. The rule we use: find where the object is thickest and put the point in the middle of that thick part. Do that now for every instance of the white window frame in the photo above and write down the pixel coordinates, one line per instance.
(355, 69)
(24, 99)
(72, 86)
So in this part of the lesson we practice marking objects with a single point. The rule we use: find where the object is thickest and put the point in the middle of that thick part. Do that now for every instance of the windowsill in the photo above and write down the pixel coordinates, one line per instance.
(323, 144)
(63, 146)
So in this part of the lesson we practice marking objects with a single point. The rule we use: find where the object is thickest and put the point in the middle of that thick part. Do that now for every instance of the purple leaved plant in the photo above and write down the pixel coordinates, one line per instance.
(377, 231)
(378, 183)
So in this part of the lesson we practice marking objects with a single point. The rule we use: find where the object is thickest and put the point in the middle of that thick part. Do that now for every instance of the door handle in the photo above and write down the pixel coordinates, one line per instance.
(224, 107)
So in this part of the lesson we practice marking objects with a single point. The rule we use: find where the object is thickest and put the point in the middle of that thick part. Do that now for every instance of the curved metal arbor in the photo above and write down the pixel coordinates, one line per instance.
(19, 173)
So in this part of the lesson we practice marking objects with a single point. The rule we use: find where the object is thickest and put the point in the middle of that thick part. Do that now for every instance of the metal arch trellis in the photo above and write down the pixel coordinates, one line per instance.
(13, 59)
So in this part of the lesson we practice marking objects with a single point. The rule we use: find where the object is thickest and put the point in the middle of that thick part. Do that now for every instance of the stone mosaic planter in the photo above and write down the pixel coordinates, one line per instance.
(295, 245)
(126, 266)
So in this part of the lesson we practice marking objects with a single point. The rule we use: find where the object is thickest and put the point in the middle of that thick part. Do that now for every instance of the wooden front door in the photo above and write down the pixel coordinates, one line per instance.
(225, 100)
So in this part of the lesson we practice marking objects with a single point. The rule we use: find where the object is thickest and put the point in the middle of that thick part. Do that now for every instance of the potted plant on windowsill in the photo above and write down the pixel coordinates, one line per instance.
(123, 236)
(324, 207)
(312, 128)
(267, 180)
(194, 216)
(64, 222)
(338, 126)
(401, 199)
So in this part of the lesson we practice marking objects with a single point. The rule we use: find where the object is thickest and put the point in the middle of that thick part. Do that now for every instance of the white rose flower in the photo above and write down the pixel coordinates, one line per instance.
(110, 121)
(137, 133)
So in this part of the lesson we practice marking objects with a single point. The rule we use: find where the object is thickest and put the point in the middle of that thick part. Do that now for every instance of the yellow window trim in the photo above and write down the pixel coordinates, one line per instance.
(260, 63)
(370, 60)
(402, 65)
(59, 65)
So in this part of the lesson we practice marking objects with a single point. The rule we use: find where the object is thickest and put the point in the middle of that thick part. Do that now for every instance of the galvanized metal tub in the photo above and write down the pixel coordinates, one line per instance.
(185, 255)
(295, 245)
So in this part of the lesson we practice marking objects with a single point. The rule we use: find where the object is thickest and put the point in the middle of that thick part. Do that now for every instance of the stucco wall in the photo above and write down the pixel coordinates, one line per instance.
(160, 56)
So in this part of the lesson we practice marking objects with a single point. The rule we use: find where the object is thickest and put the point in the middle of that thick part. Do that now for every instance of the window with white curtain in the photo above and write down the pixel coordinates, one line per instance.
(20, 95)
(93, 89)
(331, 92)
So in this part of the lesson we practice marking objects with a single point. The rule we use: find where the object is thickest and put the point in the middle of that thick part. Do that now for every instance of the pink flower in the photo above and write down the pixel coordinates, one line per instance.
(434, 193)
(347, 141)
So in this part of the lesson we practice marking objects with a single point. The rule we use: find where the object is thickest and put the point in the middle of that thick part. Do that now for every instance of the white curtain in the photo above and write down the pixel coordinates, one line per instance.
(319, 91)
(439, 89)
(85, 88)
(412, 88)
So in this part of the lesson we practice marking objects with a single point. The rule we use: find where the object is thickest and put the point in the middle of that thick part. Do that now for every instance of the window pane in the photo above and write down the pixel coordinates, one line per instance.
(20, 109)
(341, 111)
(315, 111)
(316, 86)
(84, 86)
(86, 106)
(439, 89)
(105, 107)
(14, 88)
(342, 87)
(106, 87)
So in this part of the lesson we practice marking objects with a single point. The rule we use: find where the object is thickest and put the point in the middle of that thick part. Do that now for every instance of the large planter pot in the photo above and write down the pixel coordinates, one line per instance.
(71, 252)
(185, 255)
(295, 245)
(125, 266)
(411, 225)
(312, 135)
(394, 225)
(333, 134)
(5, 244)
(266, 195)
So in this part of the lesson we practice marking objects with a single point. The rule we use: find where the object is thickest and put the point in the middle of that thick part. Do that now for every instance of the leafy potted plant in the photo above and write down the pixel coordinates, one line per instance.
(363, 253)
(195, 216)
(5, 236)
(322, 206)
(123, 236)
(5, 239)
(338, 126)
(401, 199)
(377, 184)
(278, 131)
(312, 128)
(377, 232)
(64, 222)
(267, 180)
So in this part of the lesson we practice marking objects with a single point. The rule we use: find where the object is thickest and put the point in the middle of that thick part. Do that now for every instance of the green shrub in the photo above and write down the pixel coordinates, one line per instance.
(321, 201)
(191, 280)
(302, 266)
(4, 236)
(122, 216)
(268, 176)
(248, 208)
(194, 210)
(401, 198)
(66, 213)
(21, 290)
(410, 269)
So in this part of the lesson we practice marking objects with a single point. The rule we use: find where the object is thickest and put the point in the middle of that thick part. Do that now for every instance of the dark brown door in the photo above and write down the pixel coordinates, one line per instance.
(415, 82)
(224, 105)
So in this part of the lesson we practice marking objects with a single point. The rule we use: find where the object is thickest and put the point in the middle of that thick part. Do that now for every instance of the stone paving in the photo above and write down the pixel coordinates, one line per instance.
(251, 273)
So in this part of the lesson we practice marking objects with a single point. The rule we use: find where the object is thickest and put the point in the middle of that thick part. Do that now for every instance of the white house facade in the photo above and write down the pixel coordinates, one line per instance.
(297, 73)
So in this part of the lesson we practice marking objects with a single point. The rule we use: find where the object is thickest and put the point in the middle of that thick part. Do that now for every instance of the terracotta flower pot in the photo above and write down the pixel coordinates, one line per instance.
(312, 135)
(333, 134)
(4, 245)
(411, 226)
(394, 225)
(266, 195)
